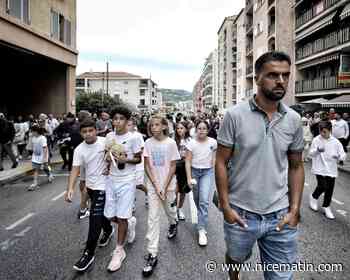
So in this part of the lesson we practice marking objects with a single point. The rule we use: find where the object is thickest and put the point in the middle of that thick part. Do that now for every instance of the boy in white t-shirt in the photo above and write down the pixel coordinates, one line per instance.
(40, 156)
(120, 190)
(89, 156)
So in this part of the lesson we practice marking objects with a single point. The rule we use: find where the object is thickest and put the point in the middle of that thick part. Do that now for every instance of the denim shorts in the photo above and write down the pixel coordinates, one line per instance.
(274, 247)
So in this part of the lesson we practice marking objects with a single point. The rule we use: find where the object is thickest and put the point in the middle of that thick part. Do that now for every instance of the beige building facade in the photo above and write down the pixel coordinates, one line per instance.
(38, 50)
(129, 88)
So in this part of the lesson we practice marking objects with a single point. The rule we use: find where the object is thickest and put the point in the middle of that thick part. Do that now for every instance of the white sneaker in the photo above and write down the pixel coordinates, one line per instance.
(202, 238)
(51, 177)
(33, 187)
(328, 212)
(131, 229)
(117, 259)
(181, 215)
(313, 203)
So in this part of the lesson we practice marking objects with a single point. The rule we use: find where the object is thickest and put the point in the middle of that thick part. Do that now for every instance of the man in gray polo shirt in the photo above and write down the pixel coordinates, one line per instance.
(260, 172)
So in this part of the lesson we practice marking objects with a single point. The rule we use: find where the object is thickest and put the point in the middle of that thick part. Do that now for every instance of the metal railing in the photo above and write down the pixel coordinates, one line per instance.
(328, 41)
(272, 28)
(322, 83)
(312, 12)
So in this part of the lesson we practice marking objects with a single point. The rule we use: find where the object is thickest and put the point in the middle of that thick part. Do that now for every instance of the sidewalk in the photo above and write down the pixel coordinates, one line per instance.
(24, 168)
(346, 166)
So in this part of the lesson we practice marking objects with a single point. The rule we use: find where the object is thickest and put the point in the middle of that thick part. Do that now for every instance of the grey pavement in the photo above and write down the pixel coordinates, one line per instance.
(50, 238)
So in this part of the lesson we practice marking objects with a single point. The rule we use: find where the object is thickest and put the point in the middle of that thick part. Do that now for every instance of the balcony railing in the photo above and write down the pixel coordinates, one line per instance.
(313, 11)
(272, 28)
(322, 83)
(328, 41)
(249, 70)
(249, 48)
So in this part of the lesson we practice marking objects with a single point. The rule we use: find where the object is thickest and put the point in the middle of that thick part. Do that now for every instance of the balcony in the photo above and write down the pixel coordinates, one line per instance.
(312, 12)
(249, 48)
(272, 29)
(324, 43)
(323, 83)
(249, 70)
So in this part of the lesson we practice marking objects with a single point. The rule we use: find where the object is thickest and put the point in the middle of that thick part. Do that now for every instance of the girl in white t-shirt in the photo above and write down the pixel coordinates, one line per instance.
(200, 162)
(182, 138)
(160, 156)
(40, 156)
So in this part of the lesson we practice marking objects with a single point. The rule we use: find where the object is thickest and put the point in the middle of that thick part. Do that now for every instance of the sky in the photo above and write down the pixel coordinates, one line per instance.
(167, 40)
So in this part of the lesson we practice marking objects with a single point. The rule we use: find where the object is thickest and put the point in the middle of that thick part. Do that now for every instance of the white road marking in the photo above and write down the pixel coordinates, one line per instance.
(342, 212)
(15, 224)
(58, 196)
(193, 209)
(337, 201)
(55, 175)
(23, 232)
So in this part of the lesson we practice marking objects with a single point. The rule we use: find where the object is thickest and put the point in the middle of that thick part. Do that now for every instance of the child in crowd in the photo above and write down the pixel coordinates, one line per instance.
(200, 162)
(325, 152)
(89, 158)
(182, 138)
(121, 186)
(40, 156)
(160, 155)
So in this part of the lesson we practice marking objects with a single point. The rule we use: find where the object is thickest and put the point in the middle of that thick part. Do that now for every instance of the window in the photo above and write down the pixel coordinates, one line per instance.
(61, 28)
(126, 92)
(142, 92)
(18, 9)
(142, 102)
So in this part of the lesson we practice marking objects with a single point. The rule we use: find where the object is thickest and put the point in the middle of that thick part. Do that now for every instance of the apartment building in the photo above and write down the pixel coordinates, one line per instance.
(38, 51)
(198, 100)
(262, 27)
(126, 87)
(227, 44)
(322, 41)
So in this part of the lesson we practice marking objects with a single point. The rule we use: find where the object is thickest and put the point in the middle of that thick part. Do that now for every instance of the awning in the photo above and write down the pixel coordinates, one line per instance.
(346, 12)
(327, 20)
(315, 101)
(340, 102)
(318, 61)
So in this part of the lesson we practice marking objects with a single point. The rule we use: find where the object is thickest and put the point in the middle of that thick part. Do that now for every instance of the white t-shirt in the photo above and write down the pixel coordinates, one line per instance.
(141, 165)
(132, 145)
(161, 154)
(182, 147)
(90, 159)
(202, 152)
(38, 144)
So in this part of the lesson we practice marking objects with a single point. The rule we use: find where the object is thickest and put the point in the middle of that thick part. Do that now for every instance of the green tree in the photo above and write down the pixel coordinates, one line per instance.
(95, 102)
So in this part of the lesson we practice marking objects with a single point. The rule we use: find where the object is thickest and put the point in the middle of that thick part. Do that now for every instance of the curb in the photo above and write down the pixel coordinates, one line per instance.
(21, 174)
(343, 169)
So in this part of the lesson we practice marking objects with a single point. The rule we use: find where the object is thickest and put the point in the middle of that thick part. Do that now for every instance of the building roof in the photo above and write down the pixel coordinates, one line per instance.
(111, 75)
(230, 18)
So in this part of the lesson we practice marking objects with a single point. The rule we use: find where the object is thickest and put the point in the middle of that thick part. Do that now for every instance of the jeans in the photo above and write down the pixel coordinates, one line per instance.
(201, 194)
(325, 184)
(276, 247)
(97, 220)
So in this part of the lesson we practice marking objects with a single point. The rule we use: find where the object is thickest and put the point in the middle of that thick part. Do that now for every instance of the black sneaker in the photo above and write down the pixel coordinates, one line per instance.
(84, 262)
(83, 213)
(172, 231)
(149, 266)
(105, 238)
(14, 165)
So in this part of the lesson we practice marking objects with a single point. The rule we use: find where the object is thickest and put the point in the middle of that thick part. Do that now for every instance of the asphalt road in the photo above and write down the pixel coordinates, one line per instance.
(41, 238)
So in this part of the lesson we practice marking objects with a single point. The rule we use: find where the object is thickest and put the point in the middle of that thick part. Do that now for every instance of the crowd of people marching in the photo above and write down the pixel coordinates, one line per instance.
(112, 154)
